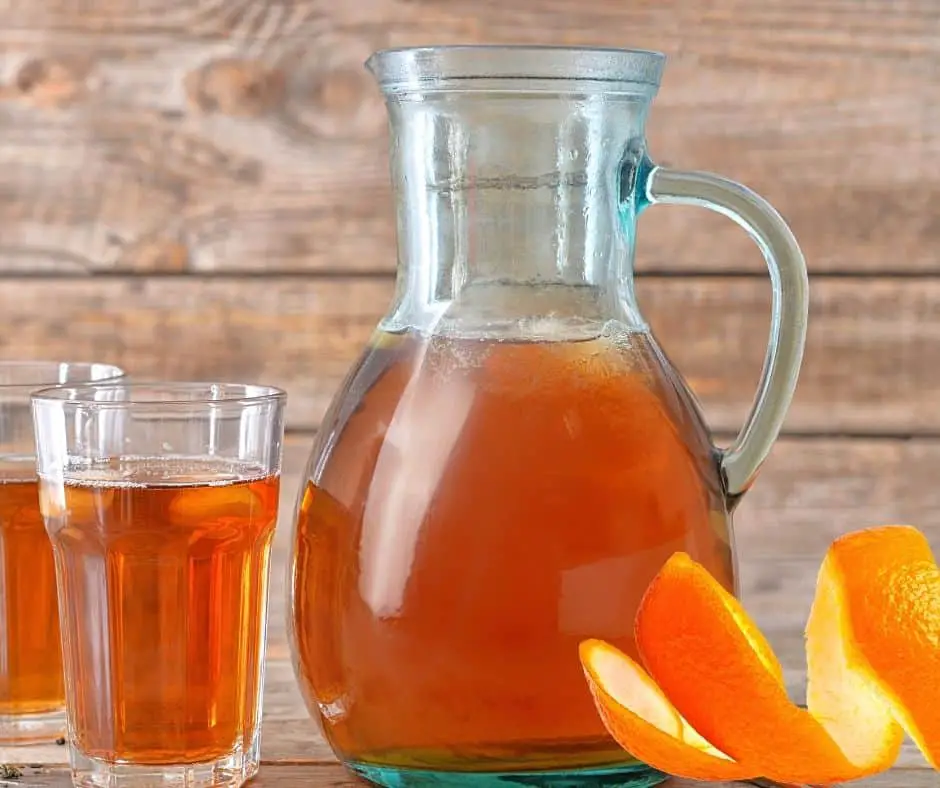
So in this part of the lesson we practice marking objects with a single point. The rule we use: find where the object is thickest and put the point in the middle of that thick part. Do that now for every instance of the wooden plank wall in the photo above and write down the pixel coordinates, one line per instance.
(199, 188)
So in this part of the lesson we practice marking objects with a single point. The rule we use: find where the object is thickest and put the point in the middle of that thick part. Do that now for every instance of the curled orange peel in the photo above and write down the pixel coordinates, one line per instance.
(637, 714)
(711, 703)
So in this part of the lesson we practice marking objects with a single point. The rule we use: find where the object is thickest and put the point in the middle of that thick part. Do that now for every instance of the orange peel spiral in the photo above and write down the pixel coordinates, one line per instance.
(710, 703)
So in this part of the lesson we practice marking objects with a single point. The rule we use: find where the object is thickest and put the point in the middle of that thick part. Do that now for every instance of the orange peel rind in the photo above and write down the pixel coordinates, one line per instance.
(888, 587)
(635, 710)
(711, 703)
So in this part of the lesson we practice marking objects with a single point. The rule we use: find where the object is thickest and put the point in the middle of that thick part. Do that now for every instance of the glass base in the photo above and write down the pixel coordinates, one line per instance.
(632, 776)
(45, 728)
(231, 770)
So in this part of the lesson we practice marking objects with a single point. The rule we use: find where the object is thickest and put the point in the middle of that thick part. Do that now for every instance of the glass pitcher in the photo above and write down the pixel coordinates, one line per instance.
(513, 457)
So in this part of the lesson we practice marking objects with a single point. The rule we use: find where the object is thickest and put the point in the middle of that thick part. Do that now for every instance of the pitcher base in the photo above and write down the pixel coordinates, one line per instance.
(631, 776)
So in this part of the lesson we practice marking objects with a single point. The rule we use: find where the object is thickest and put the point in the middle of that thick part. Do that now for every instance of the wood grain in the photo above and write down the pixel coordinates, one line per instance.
(872, 364)
(812, 490)
(244, 135)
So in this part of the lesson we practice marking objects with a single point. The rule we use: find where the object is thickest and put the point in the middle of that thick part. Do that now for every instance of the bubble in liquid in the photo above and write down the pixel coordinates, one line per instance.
(166, 471)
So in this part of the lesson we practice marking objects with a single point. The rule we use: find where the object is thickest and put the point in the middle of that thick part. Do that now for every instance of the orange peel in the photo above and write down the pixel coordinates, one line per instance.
(887, 584)
(635, 710)
(712, 703)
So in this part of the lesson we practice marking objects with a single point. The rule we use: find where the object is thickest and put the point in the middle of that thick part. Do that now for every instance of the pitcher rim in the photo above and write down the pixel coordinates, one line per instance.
(404, 68)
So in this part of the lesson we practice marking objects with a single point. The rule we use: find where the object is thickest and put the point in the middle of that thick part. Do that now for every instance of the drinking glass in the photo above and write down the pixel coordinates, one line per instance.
(161, 501)
(32, 697)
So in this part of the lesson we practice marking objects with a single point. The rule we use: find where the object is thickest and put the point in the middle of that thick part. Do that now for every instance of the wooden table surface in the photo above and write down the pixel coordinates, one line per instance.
(294, 753)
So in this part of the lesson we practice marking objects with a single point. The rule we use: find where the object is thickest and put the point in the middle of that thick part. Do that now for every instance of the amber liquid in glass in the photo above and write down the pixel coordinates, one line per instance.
(478, 508)
(30, 656)
(164, 566)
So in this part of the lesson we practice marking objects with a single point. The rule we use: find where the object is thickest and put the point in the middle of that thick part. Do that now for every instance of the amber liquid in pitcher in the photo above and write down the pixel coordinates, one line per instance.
(477, 509)
(166, 585)
(30, 657)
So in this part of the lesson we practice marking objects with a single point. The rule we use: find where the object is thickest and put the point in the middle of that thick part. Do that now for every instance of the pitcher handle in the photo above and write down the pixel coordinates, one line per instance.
(789, 307)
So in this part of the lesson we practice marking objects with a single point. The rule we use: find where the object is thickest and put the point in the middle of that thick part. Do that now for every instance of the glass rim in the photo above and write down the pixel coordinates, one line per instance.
(401, 69)
(215, 393)
(48, 373)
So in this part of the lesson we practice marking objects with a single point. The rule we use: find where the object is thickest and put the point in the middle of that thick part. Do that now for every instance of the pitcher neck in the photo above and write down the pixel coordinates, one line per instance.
(513, 183)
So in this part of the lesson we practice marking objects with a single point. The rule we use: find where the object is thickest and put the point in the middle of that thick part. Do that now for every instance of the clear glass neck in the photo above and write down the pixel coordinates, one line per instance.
(508, 166)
